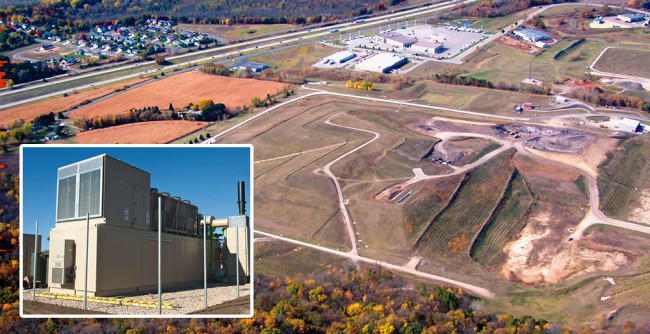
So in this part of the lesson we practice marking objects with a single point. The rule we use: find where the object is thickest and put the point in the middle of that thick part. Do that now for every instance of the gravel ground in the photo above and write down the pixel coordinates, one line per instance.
(189, 300)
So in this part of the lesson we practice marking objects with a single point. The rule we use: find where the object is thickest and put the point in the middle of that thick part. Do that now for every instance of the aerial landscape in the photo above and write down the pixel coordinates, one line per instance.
(418, 166)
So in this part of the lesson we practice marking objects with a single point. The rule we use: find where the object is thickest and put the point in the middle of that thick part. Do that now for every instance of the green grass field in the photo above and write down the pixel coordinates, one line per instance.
(452, 230)
(486, 100)
(237, 31)
(504, 225)
(499, 63)
(296, 57)
(625, 171)
(625, 61)
(493, 24)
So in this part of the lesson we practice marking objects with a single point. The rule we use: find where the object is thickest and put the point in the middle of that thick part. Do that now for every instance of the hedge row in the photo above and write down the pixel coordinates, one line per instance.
(563, 52)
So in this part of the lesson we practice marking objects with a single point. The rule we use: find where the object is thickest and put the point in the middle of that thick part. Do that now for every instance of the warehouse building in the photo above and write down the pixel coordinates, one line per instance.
(627, 124)
(382, 62)
(395, 39)
(251, 66)
(631, 17)
(341, 57)
(530, 35)
(428, 47)
(122, 211)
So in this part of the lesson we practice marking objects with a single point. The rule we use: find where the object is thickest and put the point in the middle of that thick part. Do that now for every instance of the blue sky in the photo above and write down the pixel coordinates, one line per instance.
(206, 175)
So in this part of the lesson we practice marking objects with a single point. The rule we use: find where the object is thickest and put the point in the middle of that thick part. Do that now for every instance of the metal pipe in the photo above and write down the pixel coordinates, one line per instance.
(35, 259)
(237, 255)
(86, 266)
(159, 253)
(205, 267)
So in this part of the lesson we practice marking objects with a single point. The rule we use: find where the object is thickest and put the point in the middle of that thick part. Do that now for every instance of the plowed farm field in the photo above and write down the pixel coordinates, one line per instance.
(182, 89)
(155, 132)
(30, 111)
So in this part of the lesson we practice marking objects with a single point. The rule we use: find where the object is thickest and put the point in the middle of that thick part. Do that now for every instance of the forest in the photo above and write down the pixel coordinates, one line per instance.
(11, 39)
(205, 11)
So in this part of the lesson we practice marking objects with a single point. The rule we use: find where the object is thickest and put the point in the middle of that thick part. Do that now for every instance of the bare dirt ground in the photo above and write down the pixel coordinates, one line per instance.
(32, 307)
(30, 111)
(592, 155)
(156, 132)
(438, 124)
(518, 45)
(543, 169)
(542, 255)
(181, 90)
(641, 213)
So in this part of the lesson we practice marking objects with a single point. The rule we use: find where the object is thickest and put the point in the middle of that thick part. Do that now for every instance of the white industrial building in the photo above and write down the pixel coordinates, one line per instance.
(395, 39)
(530, 35)
(631, 17)
(382, 62)
(627, 124)
(341, 57)
(427, 47)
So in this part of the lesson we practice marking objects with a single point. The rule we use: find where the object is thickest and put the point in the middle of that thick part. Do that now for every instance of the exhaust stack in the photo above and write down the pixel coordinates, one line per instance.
(242, 195)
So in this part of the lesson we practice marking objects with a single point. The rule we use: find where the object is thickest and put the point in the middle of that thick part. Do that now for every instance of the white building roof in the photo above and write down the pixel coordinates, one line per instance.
(339, 56)
(427, 44)
(399, 38)
(531, 34)
(628, 124)
(380, 62)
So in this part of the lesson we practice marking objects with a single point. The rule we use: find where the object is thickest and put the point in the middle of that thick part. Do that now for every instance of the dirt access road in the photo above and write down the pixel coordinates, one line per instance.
(326, 170)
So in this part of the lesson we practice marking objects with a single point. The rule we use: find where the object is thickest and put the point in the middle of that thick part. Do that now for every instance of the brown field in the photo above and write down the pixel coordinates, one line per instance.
(181, 90)
(30, 111)
(625, 61)
(539, 168)
(158, 132)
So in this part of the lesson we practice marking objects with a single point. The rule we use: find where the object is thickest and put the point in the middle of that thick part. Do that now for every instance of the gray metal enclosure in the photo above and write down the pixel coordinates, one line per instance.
(104, 187)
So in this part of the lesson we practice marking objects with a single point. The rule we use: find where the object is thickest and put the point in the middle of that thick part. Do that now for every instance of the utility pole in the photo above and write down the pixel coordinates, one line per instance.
(35, 258)
(530, 68)
(159, 254)
(205, 269)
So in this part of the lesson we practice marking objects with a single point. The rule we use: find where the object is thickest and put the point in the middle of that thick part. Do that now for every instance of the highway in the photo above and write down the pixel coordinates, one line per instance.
(247, 46)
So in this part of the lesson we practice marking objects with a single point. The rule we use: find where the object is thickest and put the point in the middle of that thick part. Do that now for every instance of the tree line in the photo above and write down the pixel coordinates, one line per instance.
(205, 110)
(600, 97)
(492, 8)
(463, 80)
(27, 71)
(81, 15)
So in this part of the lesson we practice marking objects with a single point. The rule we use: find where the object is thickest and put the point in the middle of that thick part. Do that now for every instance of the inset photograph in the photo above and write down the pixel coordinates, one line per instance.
(137, 231)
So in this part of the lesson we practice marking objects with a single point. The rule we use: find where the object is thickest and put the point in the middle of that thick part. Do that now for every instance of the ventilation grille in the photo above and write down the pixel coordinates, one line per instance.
(57, 275)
